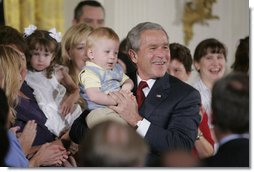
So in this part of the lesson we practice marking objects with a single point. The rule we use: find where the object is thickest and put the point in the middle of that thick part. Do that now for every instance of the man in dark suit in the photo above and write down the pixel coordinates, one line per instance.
(230, 105)
(169, 116)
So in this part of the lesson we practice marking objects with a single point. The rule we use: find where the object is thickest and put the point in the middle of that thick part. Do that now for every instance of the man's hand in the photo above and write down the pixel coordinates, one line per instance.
(126, 107)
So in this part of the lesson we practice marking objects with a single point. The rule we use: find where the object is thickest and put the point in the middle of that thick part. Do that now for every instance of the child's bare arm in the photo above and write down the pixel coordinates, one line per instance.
(127, 85)
(97, 96)
(72, 92)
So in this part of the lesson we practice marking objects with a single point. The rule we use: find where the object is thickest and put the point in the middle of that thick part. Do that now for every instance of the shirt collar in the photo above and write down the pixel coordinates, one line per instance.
(202, 84)
(232, 137)
(149, 82)
(89, 63)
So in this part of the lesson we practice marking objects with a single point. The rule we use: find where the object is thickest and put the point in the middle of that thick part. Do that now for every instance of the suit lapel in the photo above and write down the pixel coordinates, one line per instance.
(157, 94)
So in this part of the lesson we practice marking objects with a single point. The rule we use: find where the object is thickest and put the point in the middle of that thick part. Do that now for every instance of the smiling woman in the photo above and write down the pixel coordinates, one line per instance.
(210, 62)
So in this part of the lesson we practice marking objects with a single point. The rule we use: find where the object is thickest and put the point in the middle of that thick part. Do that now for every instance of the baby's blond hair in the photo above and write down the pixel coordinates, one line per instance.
(101, 33)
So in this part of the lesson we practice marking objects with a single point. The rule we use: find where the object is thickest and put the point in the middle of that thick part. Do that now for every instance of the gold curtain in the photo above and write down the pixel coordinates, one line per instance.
(44, 14)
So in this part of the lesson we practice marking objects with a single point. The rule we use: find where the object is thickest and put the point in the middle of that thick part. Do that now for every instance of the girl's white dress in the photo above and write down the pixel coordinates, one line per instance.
(49, 94)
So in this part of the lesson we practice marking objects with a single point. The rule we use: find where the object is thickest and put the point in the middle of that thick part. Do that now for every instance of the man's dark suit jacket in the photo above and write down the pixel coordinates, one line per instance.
(234, 153)
(172, 107)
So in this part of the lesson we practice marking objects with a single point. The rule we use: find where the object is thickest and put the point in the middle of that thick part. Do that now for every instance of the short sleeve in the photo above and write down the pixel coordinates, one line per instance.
(89, 79)
(125, 77)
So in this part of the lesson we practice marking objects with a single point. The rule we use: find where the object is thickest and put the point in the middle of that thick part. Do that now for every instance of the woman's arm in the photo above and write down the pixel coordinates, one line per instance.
(203, 147)
(204, 143)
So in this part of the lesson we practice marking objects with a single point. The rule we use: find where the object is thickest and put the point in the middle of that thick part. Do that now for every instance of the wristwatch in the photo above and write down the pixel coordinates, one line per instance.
(200, 134)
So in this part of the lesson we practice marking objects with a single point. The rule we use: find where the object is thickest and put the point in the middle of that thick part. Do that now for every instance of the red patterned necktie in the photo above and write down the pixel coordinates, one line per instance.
(140, 94)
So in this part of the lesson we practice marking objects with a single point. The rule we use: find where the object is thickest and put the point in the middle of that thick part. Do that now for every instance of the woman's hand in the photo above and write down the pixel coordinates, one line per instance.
(27, 137)
(48, 155)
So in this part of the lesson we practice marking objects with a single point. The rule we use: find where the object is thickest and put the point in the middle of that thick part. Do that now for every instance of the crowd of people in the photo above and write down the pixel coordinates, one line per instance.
(89, 100)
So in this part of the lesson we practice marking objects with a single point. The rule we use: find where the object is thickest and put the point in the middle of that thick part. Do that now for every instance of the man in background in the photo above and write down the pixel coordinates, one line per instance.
(90, 12)
(112, 144)
(230, 105)
(93, 14)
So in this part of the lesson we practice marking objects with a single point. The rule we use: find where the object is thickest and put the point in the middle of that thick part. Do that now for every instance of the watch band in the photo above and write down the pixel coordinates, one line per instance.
(200, 134)
(138, 123)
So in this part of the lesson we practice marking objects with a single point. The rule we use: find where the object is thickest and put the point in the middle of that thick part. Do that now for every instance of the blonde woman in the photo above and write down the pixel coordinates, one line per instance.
(13, 72)
(11, 81)
(73, 49)
(74, 57)
(10, 69)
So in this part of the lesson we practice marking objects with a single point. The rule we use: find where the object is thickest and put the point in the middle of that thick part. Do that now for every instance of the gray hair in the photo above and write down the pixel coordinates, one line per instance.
(133, 37)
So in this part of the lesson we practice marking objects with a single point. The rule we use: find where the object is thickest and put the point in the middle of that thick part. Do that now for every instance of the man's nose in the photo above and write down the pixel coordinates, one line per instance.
(160, 53)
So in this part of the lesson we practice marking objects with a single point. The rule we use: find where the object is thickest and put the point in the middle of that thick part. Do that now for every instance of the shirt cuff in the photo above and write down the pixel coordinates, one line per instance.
(143, 127)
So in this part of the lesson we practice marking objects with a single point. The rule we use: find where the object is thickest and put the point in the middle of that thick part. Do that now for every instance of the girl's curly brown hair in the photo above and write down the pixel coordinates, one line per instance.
(40, 39)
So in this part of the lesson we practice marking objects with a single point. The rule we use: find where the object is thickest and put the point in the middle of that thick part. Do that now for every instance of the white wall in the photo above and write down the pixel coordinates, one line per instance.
(122, 15)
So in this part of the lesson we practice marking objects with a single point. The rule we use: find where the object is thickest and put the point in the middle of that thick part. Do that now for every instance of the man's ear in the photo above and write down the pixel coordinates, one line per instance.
(133, 55)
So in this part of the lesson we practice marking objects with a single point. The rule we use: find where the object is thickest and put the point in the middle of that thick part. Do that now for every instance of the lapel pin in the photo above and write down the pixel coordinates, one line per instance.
(158, 95)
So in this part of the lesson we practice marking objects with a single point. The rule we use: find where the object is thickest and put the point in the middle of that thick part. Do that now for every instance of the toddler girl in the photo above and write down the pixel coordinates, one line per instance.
(54, 89)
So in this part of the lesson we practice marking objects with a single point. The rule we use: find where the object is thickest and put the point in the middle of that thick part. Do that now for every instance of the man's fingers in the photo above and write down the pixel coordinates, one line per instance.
(115, 96)
(119, 96)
